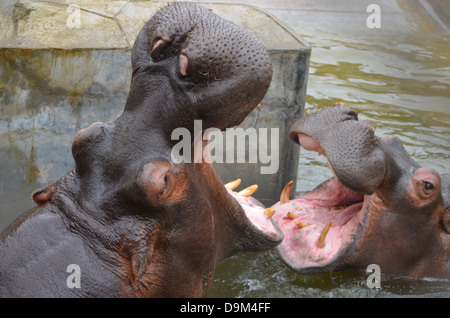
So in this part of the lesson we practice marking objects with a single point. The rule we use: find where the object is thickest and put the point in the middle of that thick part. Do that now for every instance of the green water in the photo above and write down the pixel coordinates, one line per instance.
(401, 85)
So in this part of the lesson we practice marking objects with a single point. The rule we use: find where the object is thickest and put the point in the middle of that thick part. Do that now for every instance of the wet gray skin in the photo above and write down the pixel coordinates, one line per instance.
(380, 207)
(137, 223)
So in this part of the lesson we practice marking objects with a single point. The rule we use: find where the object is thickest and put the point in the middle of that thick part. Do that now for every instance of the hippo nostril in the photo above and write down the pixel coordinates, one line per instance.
(157, 43)
(183, 64)
(158, 47)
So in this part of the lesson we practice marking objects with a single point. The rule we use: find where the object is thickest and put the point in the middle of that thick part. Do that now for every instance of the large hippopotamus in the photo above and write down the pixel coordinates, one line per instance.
(128, 219)
(380, 207)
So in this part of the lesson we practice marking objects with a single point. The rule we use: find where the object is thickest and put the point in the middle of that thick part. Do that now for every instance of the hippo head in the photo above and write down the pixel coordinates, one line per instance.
(164, 224)
(379, 208)
(216, 71)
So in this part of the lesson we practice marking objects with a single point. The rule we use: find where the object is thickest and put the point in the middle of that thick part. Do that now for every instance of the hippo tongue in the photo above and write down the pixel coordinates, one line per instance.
(353, 151)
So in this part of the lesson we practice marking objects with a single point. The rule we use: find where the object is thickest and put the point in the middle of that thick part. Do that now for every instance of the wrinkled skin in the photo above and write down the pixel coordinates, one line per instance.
(137, 223)
(383, 207)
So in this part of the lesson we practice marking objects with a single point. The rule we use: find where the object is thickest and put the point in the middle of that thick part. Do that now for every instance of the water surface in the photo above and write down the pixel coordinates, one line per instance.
(400, 84)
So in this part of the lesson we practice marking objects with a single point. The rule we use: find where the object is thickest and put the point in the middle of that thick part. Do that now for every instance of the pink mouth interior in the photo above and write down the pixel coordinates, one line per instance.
(316, 209)
(330, 202)
(255, 213)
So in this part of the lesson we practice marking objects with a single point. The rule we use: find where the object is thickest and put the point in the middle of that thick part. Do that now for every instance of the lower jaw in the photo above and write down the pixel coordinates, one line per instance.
(304, 248)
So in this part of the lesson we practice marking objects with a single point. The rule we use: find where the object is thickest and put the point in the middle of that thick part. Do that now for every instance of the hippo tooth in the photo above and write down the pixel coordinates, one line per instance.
(301, 224)
(269, 212)
(233, 184)
(284, 197)
(292, 215)
(321, 241)
(248, 191)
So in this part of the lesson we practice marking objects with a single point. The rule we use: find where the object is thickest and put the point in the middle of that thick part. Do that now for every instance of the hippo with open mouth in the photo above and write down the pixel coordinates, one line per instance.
(130, 219)
(380, 207)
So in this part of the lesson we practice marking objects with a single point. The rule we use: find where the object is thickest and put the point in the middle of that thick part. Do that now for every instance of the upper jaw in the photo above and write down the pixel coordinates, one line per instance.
(354, 153)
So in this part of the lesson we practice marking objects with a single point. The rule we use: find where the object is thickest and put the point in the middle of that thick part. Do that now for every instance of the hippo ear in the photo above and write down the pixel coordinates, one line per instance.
(162, 183)
(445, 193)
(446, 222)
(45, 194)
(353, 151)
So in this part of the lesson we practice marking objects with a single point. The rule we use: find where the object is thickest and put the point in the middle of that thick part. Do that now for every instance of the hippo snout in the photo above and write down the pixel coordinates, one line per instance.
(380, 207)
(216, 63)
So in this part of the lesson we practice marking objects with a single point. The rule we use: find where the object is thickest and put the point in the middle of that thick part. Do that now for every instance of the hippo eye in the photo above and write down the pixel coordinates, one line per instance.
(425, 187)
(428, 186)
(162, 183)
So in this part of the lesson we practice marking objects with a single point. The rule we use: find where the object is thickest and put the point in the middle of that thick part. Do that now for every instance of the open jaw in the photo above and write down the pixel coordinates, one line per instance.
(259, 225)
(259, 216)
(320, 226)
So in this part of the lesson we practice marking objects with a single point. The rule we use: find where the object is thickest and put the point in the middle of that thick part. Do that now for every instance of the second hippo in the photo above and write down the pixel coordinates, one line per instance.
(380, 207)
